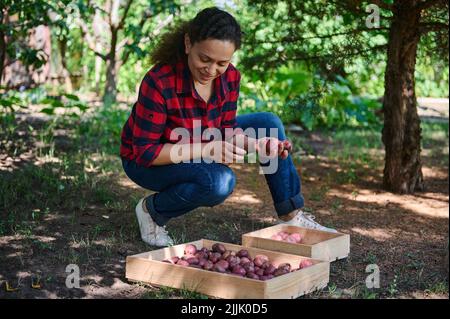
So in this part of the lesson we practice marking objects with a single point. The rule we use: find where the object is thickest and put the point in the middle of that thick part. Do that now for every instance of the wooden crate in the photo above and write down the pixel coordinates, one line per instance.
(316, 244)
(148, 267)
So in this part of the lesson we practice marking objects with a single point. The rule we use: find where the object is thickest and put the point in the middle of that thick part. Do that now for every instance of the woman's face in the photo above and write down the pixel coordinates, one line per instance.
(208, 59)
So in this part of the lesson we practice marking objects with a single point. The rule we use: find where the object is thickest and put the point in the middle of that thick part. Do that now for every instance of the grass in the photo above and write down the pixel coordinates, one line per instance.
(66, 182)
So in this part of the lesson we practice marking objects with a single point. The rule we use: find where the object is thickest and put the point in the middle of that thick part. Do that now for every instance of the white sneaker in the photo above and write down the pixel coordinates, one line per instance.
(151, 233)
(306, 220)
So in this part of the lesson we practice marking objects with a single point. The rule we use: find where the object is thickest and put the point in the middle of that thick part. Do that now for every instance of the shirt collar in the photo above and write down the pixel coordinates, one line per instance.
(184, 83)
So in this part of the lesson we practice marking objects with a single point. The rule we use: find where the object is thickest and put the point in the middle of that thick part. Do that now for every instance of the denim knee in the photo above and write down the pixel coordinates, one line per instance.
(272, 120)
(223, 182)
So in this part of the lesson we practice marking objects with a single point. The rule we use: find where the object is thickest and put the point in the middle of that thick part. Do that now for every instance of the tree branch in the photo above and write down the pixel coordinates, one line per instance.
(127, 8)
(432, 26)
(90, 41)
(382, 4)
(292, 40)
(428, 4)
(333, 56)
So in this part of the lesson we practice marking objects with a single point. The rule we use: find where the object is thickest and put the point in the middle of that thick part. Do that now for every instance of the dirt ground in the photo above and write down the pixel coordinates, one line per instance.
(405, 236)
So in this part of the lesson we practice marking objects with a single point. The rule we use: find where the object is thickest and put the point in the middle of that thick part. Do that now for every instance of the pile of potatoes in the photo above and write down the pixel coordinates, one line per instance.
(239, 263)
(295, 238)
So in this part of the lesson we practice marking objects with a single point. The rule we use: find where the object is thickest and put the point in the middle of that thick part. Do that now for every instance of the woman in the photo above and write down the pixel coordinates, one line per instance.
(193, 81)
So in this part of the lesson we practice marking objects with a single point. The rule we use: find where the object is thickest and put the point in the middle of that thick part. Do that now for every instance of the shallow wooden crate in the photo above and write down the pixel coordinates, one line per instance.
(316, 244)
(148, 267)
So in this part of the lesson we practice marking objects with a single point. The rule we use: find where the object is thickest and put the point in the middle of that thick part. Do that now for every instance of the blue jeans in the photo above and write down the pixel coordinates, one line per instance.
(183, 187)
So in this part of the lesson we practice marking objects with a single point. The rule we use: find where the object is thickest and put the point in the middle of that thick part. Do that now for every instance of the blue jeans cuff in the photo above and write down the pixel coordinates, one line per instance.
(159, 219)
(289, 205)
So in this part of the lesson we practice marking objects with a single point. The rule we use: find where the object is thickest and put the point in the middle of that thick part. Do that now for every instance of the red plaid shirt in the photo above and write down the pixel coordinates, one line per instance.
(168, 100)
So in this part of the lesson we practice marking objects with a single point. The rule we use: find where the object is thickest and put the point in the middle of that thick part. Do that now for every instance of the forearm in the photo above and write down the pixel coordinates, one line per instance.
(244, 141)
(176, 153)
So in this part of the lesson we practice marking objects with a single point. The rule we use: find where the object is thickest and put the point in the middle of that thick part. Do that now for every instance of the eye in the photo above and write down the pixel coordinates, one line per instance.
(203, 59)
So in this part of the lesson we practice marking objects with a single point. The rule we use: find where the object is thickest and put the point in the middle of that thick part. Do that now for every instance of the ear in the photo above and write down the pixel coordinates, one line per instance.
(187, 44)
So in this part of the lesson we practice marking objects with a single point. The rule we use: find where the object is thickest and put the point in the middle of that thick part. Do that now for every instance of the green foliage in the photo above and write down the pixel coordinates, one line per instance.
(12, 100)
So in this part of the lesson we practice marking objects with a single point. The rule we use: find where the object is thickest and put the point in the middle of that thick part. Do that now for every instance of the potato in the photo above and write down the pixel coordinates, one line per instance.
(242, 253)
(283, 235)
(233, 261)
(208, 265)
(244, 260)
(252, 275)
(190, 249)
(219, 248)
(291, 239)
(258, 261)
(214, 257)
(280, 272)
(223, 263)
(265, 265)
(259, 272)
(202, 255)
(276, 237)
(264, 278)
(192, 260)
(305, 263)
(238, 269)
(249, 267)
(286, 266)
(182, 262)
(297, 236)
(202, 262)
(226, 254)
(217, 267)
(269, 270)
(205, 250)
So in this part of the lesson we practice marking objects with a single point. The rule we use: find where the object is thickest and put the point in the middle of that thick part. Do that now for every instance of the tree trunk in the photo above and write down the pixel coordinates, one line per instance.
(401, 131)
(112, 67)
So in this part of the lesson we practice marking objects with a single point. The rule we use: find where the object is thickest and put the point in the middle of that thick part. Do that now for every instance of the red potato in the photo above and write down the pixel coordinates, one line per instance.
(285, 266)
(244, 260)
(226, 254)
(214, 257)
(305, 263)
(219, 248)
(280, 272)
(233, 261)
(276, 237)
(201, 255)
(190, 249)
(239, 270)
(259, 260)
(217, 267)
(242, 253)
(252, 275)
(270, 270)
(208, 265)
(291, 239)
(223, 263)
(259, 272)
(249, 267)
(283, 235)
(192, 260)
(297, 236)
(202, 262)
(182, 262)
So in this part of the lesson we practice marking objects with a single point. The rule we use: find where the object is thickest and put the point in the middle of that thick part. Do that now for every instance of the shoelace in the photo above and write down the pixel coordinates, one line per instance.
(310, 218)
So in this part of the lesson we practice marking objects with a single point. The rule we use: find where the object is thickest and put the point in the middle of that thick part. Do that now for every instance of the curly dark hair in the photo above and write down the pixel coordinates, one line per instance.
(210, 23)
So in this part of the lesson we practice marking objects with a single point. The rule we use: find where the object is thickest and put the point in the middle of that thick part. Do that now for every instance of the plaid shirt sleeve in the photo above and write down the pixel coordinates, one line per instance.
(150, 122)
(229, 108)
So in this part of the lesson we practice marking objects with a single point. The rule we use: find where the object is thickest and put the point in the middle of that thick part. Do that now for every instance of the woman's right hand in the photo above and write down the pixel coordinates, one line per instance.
(223, 152)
